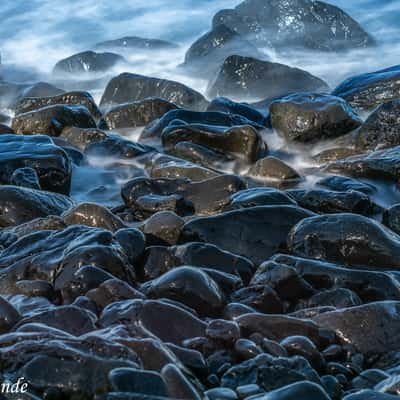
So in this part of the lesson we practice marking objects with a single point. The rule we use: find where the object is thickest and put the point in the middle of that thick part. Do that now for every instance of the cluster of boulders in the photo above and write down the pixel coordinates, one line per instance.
(218, 271)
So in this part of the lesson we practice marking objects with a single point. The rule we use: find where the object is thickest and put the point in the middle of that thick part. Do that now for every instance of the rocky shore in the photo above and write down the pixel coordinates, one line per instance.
(237, 244)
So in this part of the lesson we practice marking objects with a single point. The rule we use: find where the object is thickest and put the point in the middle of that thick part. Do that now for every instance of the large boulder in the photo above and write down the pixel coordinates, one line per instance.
(86, 62)
(366, 91)
(381, 129)
(250, 79)
(51, 120)
(51, 163)
(135, 43)
(256, 233)
(127, 87)
(348, 239)
(306, 117)
(308, 24)
(381, 320)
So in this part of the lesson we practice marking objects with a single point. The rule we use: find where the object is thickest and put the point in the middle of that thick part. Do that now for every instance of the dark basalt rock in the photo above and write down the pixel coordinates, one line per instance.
(189, 286)
(259, 196)
(243, 142)
(19, 205)
(391, 218)
(337, 298)
(137, 113)
(298, 23)
(269, 373)
(85, 99)
(223, 104)
(244, 231)
(381, 164)
(380, 318)
(366, 91)
(301, 390)
(368, 285)
(349, 239)
(246, 78)
(208, 52)
(370, 395)
(336, 153)
(50, 162)
(135, 43)
(81, 138)
(5, 129)
(54, 256)
(330, 202)
(342, 184)
(87, 62)
(93, 215)
(307, 117)
(176, 118)
(154, 316)
(51, 120)
(25, 177)
(381, 129)
(273, 169)
(9, 316)
(127, 87)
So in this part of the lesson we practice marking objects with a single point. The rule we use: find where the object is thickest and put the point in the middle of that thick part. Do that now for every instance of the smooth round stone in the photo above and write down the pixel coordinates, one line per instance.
(246, 349)
(234, 310)
(223, 330)
(248, 390)
(332, 387)
(391, 218)
(221, 394)
(368, 379)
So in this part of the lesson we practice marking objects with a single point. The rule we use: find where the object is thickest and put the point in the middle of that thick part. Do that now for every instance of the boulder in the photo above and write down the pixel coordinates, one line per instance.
(135, 43)
(307, 117)
(391, 218)
(342, 184)
(273, 169)
(250, 79)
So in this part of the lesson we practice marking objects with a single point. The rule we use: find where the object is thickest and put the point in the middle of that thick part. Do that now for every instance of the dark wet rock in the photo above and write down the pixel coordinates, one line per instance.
(370, 395)
(55, 256)
(81, 137)
(381, 164)
(228, 283)
(307, 313)
(245, 349)
(226, 105)
(391, 218)
(177, 118)
(87, 62)
(37, 288)
(5, 129)
(332, 387)
(333, 154)
(349, 239)
(330, 202)
(259, 196)
(9, 316)
(380, 319)
(366, 91)
(50, 162)
(248, 390)
(262, 298)
(85, 99)
(178, 386)
(234, 310)
(192, 359)
(390, 385)
(307, 117)
(243, 231)
(19, 205)
(273, 169)
(269, 373)
(127, 87)
(381, 129)
(133, 243)
(111, 291)
(137, 113)
(237, 142)
(301, 390)
(278, 327)
(303, 24)
(168, 167)
(369, 378)
(135, 43)
(209, 51)
(338, 298)
(93, 215)
(220, 393)
(51, 120)
(246, 78)
(25, 177)
(285, 280)
(189, 286)
(303, 346)
(161, 259)
(154, 316)
(70, 319)
(368, 285)
(117, 147)
(223, 331)
(137, 381)
(341, 183)
(163, 227)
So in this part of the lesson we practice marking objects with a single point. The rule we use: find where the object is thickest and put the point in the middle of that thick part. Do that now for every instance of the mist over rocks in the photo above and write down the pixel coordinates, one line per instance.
(135, 43)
